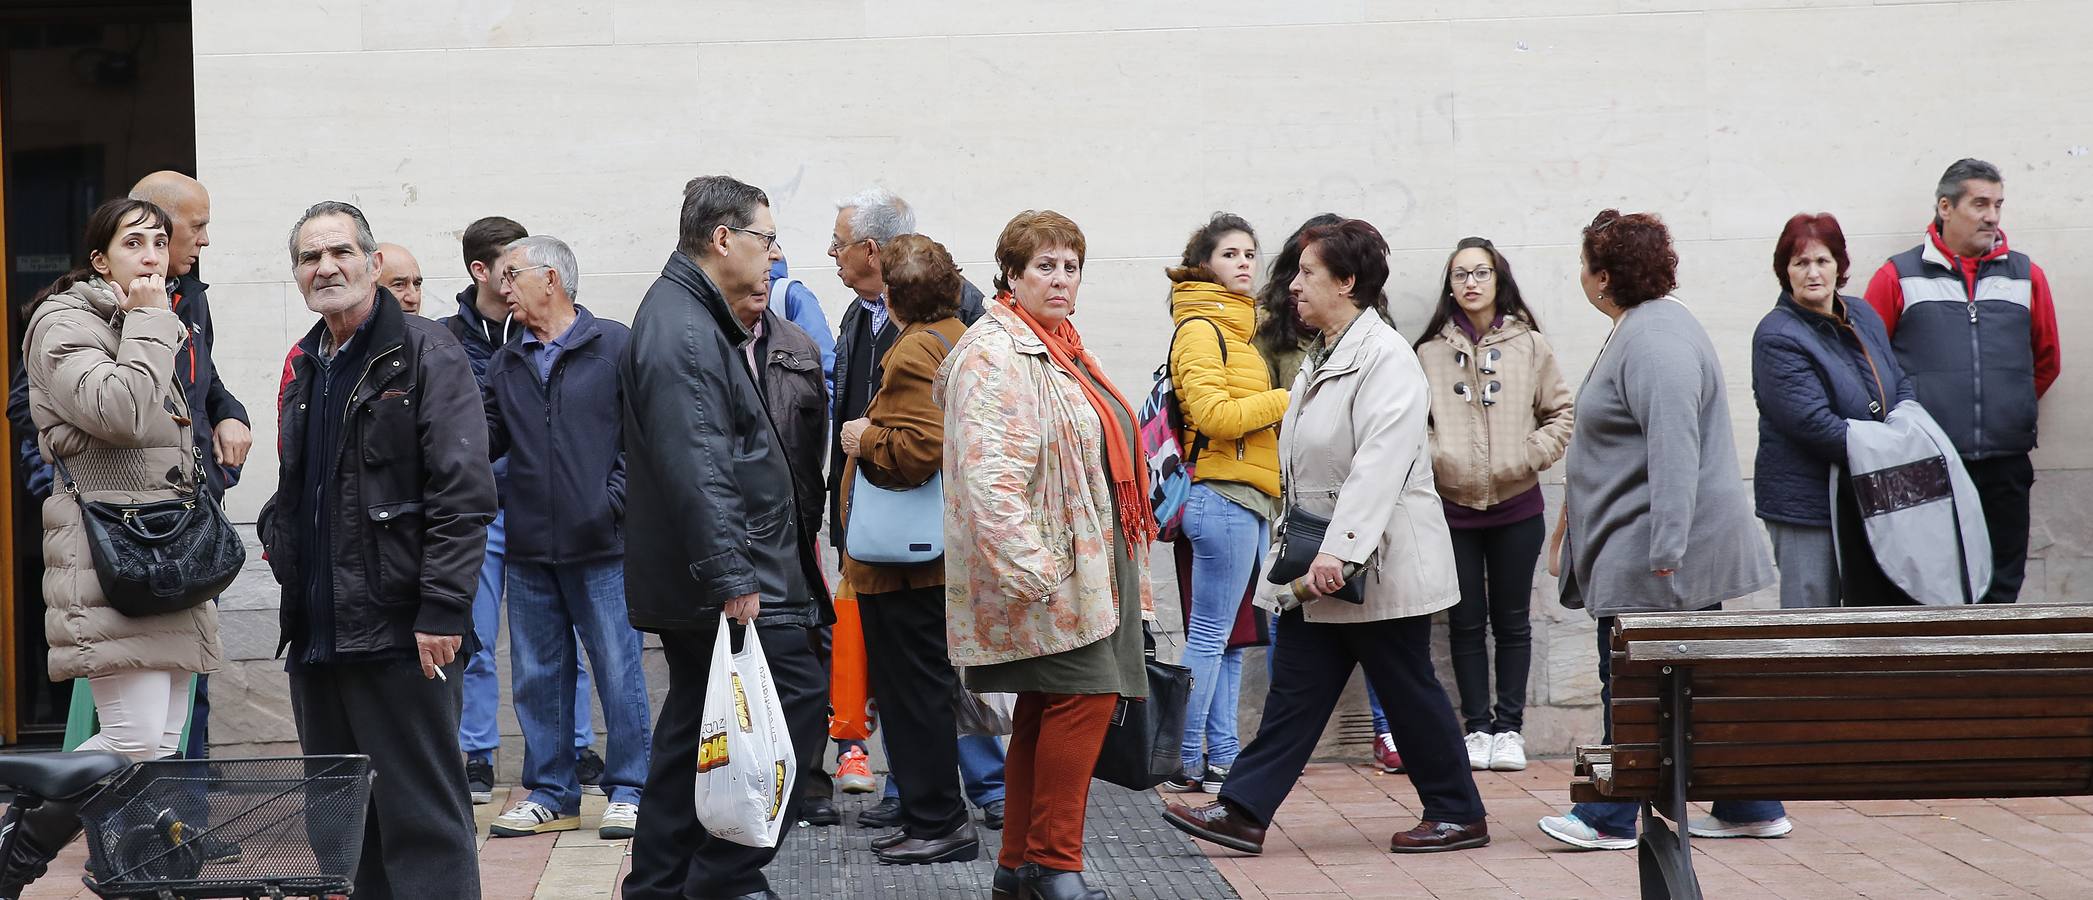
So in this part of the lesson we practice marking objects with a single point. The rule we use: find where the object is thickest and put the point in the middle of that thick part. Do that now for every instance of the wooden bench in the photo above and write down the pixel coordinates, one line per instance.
(1838, 704)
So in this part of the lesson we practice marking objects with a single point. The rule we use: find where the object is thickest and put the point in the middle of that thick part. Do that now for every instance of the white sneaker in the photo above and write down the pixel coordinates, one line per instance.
(1479, 743)
(527, 818)
(1571, 830)
(1712, 827)
(1508, 752)
(618, 822)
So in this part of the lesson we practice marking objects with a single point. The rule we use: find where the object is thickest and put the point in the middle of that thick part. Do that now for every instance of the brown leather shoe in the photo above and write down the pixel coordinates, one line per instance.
(1434, 837)
(1216, 823)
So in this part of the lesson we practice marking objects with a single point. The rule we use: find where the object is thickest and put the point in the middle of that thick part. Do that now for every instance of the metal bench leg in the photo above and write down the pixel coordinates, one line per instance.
(1665, 856)
(1665, 860)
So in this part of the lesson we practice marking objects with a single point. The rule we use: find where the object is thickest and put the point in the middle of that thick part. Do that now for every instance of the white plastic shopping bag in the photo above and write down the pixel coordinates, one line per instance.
(745, 761)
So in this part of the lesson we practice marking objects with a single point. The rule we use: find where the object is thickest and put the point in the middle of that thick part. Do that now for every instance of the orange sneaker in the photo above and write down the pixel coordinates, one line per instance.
(854, 772)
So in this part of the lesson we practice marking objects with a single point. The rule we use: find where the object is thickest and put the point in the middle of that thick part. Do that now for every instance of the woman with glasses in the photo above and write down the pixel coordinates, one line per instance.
(1500, 415)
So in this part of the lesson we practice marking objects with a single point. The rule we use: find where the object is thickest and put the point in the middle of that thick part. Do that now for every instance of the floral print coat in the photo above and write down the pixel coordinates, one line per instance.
(1028, 507)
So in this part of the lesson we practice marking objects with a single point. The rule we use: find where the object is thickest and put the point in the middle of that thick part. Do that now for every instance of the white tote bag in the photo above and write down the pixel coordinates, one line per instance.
(745, 762)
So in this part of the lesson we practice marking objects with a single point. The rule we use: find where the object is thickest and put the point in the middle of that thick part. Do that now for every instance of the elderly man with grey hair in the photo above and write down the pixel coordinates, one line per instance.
(552, 407)
(383, 495)
(865, 222)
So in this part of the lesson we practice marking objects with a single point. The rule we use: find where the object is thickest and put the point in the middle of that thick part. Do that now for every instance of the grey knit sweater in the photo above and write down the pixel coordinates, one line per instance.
(1652, 477)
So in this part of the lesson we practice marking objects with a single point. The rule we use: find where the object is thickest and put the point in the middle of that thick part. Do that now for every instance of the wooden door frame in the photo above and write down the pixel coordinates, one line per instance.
(10, 707)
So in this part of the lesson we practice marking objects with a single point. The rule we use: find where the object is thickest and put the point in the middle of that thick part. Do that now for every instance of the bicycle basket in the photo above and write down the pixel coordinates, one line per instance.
(228, 827)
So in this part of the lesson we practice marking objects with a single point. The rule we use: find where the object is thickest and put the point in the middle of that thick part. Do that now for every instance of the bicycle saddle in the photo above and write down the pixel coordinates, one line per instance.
(58, 776)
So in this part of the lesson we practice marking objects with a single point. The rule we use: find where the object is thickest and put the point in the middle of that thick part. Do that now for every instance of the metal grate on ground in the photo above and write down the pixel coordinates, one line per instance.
(1127, 850)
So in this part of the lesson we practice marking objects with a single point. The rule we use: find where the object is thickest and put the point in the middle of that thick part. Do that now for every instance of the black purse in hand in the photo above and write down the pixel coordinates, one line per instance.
(162, 556)
(1300, 540)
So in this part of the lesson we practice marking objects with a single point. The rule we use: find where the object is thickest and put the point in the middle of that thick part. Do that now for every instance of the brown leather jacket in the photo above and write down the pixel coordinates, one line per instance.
(904, 445)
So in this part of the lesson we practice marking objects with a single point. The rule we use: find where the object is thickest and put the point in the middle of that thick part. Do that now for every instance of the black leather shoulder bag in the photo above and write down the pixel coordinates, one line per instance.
(161, 556)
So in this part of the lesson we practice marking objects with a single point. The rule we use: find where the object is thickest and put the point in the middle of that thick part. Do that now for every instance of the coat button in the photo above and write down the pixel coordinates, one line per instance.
(385, 515)
(1350, 536)
(396, 364)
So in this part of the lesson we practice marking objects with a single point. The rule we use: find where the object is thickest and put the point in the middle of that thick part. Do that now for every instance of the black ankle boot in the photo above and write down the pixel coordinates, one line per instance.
(1005, 886)
(1037, 882)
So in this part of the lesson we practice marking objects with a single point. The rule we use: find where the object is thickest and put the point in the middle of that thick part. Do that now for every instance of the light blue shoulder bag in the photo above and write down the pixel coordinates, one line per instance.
(897, 527)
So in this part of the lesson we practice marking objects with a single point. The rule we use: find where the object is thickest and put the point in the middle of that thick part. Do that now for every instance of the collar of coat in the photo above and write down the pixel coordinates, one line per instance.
(388, 326)
(1235, 313)
(1351, 344)
(681, 270)
(1021, 334)
(1839, 306)
(1510, 327)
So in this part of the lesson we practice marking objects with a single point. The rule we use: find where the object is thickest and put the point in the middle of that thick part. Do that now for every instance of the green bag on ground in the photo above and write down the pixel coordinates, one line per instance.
(80, 723)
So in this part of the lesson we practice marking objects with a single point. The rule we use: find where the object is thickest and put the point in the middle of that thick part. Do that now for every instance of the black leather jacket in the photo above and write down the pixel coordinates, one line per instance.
(711, 511)
(797, 391)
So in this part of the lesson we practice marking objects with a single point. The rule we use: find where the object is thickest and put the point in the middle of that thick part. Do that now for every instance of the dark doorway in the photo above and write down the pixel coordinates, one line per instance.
(93, 95)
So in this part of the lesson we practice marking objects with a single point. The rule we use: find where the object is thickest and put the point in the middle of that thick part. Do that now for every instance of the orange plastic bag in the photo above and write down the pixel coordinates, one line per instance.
(851, 715)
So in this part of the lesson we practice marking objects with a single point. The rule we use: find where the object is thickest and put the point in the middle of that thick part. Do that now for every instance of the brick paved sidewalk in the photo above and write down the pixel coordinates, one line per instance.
(1330, 842)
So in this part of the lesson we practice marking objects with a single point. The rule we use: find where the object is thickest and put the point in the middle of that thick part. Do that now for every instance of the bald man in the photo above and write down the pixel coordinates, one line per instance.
(401, 274)
(222, 431)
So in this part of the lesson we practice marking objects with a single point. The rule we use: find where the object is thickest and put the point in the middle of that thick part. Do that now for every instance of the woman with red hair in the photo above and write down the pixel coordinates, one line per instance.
(1658, 518)
(1818, 360)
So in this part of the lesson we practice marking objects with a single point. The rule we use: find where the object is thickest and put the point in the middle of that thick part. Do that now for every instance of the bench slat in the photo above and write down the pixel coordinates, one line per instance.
(1711, 757)
(1870, 649)
(1982, 619)
(1928, 790)
(1952, 684)
(1769, 709)
(1858, 775)
(1705, 733)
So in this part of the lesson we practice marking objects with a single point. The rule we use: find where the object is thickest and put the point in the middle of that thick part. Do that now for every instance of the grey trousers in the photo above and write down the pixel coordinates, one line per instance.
(1809, 568)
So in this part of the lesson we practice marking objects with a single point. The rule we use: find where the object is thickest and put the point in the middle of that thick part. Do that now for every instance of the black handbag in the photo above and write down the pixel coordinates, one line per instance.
(161, 556)
(1300, 540)
(1141, 745)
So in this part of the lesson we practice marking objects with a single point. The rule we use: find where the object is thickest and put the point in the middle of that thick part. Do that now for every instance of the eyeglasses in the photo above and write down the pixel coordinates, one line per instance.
(770, 238)
(1481, 275)
(836, 244)
(508, 275)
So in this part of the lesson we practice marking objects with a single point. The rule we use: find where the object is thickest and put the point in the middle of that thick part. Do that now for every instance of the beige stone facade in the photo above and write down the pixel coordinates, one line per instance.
(1433, 119)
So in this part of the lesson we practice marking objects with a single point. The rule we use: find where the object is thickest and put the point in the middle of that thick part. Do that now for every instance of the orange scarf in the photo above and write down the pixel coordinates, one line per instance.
(1123, 455)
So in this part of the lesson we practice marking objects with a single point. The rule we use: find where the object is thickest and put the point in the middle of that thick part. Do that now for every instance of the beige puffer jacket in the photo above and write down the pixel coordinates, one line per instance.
(1483, 455)
(103, 394)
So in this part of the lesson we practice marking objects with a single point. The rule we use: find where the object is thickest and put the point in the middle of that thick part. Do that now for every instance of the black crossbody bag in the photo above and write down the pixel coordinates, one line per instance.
(161, 556)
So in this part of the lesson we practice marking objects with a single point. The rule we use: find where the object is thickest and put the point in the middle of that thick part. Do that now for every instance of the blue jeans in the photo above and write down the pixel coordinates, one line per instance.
(1373, 702)
(548, 605)
(1618, 819)
(980, 767)
(1227, 541)
(479, 723)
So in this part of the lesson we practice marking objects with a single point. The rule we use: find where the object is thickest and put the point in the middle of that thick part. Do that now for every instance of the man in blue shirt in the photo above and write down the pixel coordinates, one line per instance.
(552, 408)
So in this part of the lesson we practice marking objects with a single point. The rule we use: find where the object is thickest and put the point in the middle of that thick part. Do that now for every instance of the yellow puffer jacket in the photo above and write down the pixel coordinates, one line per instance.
(1232, 403)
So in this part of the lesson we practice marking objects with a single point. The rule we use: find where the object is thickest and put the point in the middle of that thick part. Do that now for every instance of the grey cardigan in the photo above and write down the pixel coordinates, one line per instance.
(1652, 477)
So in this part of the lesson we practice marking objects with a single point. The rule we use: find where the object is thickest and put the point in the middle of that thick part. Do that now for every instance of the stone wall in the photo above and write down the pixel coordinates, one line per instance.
(1434, 120)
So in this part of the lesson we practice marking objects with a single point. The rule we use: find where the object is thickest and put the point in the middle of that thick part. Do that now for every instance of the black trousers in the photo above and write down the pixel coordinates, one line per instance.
(1496, 567)
(814, 779)
(2005, 483)
(913, 680)
(674, 857)
(1311, 663)
(419, 839)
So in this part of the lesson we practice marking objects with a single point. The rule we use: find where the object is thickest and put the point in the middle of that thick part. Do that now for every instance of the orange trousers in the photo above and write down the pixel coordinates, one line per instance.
(1054, 743)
